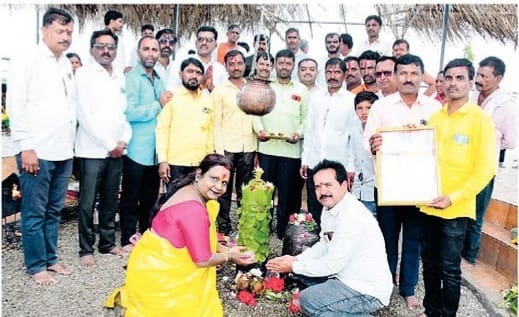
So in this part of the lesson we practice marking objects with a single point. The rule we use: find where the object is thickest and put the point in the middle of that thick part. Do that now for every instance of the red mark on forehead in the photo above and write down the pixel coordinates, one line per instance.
(235, 58)
(225, 176)
(363, 63)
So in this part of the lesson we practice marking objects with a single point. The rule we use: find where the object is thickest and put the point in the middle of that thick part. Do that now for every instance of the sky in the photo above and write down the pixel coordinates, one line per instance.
(23, 20)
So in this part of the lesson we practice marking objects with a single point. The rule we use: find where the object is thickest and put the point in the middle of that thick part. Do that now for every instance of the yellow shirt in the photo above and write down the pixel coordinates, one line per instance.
(185, 128)
(466, 154)
(232, 127)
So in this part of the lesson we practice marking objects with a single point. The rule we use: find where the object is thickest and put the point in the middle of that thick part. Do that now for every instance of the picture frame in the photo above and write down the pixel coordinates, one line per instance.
(407, 171)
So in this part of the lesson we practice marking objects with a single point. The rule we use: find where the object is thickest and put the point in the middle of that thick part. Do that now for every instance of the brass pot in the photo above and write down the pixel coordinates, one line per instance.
(256, 97)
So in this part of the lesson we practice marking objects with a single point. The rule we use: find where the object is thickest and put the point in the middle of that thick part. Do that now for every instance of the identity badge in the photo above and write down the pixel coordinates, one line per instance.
(461, 138)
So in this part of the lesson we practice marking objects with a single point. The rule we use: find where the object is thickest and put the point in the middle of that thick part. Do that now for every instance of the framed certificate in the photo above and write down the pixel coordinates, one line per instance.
(407, 167)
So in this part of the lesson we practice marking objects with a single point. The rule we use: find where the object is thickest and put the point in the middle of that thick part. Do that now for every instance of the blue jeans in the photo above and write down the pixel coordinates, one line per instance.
(334, 298)
(391, 219)
(473, 237)
(42, 202)
(441, 243)
(371, 205)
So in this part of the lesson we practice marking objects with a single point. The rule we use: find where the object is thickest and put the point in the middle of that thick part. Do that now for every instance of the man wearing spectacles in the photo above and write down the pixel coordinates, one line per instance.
(215, 73)
(102, 137)
(385, 76)
(332, 43)
(167, 43)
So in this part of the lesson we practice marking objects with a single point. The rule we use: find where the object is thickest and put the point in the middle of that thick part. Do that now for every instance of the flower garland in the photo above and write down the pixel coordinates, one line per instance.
(303, 219)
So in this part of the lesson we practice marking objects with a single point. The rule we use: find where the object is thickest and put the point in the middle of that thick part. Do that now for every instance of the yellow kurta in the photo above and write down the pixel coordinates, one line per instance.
(163, 280)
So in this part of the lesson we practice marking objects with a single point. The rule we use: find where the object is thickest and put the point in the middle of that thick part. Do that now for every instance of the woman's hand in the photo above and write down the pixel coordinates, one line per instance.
(241, 256)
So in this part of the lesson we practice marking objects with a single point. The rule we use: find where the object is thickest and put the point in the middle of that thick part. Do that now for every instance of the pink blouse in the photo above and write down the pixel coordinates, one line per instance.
(185, 224)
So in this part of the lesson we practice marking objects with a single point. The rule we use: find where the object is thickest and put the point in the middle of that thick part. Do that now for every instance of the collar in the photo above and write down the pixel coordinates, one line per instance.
(185, 92)
(340, 206)
(290, 84)
(47, 52)
(139, 69)
(463, 109)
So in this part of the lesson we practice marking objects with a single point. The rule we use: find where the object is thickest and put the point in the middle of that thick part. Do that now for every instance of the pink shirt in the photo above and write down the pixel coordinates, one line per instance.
(185, 224)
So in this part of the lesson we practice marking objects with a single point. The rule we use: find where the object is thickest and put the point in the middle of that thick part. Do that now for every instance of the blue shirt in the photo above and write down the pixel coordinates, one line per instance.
(143, 107)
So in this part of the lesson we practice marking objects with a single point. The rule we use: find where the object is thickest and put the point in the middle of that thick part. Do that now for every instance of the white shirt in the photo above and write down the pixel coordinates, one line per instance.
(502, 107)
(119, 62)
(356, 253)
(41, 103)
(163, 71)
(101, 107)
(220, 75)
(364, 184)
(393, 112)
(379, 46)
(329, 126)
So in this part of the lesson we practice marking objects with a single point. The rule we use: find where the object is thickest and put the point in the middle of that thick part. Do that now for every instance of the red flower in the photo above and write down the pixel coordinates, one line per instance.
(275, 284)
(294, 303)
(309, 218)
(292, 218)
(246, 298)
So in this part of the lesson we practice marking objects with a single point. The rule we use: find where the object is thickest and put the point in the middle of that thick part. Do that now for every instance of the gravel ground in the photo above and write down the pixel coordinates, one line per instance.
(83, 292)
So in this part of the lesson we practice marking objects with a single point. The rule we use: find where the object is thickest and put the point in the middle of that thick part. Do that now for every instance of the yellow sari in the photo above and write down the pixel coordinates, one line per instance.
(163, 281)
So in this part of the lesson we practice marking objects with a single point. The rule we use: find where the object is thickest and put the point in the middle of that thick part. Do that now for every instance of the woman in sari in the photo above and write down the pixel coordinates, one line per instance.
(172, 269)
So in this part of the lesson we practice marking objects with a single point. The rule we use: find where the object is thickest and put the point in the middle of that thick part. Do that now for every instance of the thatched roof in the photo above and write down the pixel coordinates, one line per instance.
(497, 21)
(191, 16)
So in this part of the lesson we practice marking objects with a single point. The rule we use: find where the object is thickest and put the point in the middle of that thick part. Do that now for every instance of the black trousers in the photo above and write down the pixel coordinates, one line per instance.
(242, 165)
(140, 190)
(283, 172)
(314, 206)
(103, 177)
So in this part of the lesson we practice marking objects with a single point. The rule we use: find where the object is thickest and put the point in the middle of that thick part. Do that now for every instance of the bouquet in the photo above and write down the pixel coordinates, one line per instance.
(254, 213)
(302, 232)
(251, 286)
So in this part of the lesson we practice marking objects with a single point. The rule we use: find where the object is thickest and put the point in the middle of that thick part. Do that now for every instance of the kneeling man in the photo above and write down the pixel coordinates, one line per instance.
(346, 271)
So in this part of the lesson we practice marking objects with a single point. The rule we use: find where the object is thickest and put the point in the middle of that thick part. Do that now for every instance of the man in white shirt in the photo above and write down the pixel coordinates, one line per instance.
(307, 71)
(346, 270)
(502, 107)
(292, 39)
(330, 122)
(167, 42)
(102, 138)
(114, 22)
(404, 108)
(373, 25)
(215, 73)
(332, 44)
(42, 108)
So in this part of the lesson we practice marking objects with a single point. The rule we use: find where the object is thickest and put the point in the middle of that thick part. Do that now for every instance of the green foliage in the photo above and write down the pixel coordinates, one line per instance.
(510, 300)
(254, 213)
(467, 52)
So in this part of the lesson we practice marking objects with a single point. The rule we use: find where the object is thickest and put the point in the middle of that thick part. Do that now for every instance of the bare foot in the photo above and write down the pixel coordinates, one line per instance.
(88, 260)
(60, 269)
(118, 251)
(128, 248)
(412, 303)
(466, 265)
(396, 280)
(44, 278)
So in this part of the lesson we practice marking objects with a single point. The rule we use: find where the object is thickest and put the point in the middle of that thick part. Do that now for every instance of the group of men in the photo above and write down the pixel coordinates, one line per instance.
(154, 122)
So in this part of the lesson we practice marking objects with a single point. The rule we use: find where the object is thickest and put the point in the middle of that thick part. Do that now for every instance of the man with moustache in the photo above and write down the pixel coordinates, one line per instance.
(146, 95)
(501, 106)
(385, 76)
(406, 108)
(373, 24)
(467, 162)
(345, 271)
(42, 108)
(332, 44)
(215, 73)
(233, 133)
(185, 127)
(167, 41)
(292, 39)
(102, 137)
(367, 62)
(261, 44)
(353, 75)
(264, 64)
(280, 157)
(330, 124)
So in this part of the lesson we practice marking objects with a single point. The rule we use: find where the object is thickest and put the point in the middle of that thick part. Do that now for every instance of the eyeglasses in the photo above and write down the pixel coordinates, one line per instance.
(101, 47)
(165, 41)
(206, 39)
(386, 73)
(332, 42)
